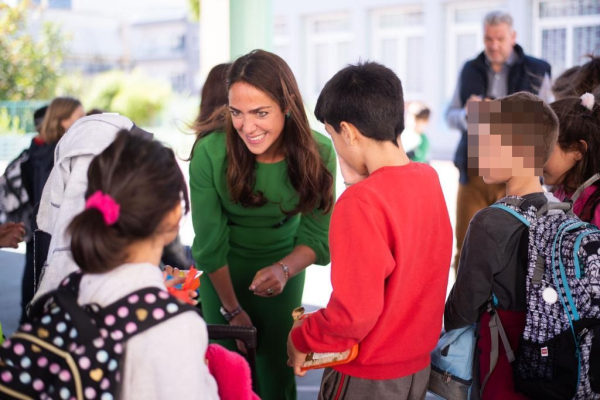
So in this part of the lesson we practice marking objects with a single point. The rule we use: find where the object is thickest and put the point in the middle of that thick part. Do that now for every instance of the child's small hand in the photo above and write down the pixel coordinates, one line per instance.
(11, 234)
(178, 280)
(473, 97)
(295, 357)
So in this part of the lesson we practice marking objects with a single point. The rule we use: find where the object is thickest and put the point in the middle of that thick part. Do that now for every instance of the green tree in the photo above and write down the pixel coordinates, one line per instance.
(194, 9)
(134, 95)
(29, 68)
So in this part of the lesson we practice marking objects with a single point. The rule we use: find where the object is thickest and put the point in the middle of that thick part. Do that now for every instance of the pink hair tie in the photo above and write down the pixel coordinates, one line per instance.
(106, 205)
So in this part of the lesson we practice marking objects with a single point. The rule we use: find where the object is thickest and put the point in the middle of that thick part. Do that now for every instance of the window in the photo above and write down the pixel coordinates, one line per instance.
(55, 4)
(281, 38)
(565, 31)
(178, 43)
(397, 42)
(329, 41)
(178, 82)
(61, 4)
(464, 40)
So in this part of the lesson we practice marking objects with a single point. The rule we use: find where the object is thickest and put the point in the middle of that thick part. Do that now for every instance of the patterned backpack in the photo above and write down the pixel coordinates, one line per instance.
(73, 352)
(559, 351)
(14, 199)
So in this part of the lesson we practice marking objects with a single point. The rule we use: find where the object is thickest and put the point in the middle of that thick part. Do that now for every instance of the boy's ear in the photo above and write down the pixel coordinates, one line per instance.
(348, 132)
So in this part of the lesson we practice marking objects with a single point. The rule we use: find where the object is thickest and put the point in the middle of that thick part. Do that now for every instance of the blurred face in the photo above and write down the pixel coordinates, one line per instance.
(503, 139)
(559, 163)
(77, 113)
(499, 41)
(495, 161)
(258, 120)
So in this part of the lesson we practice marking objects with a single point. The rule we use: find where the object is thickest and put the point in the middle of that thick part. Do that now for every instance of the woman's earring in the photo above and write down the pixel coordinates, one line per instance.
(288, 115)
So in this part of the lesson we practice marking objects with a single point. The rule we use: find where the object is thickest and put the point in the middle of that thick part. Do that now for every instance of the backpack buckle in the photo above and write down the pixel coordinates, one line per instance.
(447, 378)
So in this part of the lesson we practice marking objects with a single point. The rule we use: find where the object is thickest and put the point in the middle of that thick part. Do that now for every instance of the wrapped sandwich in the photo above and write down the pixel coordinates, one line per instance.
(324, 360)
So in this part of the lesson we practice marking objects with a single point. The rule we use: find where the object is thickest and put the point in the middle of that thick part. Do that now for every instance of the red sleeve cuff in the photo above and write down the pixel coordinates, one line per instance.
(299, 340)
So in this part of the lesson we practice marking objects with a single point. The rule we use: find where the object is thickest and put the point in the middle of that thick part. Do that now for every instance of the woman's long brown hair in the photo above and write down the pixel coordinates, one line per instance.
(306, 170)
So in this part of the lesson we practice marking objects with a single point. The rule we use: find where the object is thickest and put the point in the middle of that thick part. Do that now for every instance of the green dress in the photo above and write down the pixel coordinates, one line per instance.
(247, 240)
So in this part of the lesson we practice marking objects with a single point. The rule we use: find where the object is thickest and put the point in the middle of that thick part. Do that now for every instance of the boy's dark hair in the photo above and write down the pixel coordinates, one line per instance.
(548, 119)
(38, 117)
(367, 95)
(579, 123)
(143, 177)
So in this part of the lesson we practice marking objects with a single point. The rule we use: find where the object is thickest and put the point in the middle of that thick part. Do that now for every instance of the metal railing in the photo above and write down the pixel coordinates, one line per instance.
(16, 117)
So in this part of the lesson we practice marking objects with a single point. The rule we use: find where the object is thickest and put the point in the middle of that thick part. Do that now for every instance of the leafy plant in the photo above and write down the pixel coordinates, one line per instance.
(29, 68)
(134, 95)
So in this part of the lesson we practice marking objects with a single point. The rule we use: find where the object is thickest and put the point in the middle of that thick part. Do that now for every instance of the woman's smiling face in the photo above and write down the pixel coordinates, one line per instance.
(258, 120)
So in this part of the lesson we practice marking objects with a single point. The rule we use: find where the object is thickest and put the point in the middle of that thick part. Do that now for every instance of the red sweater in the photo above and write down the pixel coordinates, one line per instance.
(391, 243)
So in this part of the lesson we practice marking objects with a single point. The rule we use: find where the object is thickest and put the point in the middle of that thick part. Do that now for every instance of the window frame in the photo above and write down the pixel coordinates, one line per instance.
(401, 34)
(312, 39)
(564, 22)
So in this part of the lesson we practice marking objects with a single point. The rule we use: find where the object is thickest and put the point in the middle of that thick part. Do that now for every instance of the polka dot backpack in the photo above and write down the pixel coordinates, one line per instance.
(73, 352)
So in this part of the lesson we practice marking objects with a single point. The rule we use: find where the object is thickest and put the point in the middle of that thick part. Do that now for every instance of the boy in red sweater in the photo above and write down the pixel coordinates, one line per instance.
(390, 241)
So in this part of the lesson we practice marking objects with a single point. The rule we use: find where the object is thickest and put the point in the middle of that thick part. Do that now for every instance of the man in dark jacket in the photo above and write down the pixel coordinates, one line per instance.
(501, 69)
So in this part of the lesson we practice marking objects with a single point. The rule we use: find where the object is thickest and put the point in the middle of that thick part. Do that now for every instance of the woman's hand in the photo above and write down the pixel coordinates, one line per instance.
(269, 281)
(242, 319)
(350, 175)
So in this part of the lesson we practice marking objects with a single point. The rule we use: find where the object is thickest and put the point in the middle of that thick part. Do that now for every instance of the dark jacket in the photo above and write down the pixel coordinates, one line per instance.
(526, 74)
(36, 170)
(493, 260)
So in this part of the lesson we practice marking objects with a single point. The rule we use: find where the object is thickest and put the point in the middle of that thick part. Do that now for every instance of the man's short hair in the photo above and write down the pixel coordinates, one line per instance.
(367, 95)
(498, 17)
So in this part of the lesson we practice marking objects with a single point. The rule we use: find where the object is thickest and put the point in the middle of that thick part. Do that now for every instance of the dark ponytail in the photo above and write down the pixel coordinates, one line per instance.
(143, 177)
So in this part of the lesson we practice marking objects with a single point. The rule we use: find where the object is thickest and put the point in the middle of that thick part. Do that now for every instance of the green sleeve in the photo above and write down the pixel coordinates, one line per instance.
(422, 150)
(314, 227)
(211, 241)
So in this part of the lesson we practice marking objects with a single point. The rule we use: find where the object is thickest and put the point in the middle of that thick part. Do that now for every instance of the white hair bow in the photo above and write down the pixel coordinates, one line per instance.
(587, 100)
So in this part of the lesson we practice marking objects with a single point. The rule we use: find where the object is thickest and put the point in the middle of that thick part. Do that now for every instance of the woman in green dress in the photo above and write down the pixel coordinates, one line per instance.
(262, 192)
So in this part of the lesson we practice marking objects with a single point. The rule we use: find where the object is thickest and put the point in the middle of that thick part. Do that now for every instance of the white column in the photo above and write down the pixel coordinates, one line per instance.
(214, 35)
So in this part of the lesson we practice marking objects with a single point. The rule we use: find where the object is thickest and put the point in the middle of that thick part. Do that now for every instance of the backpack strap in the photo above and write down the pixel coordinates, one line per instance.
(511, 211)
(576, 247)
(70, 284)
(496, 329)
(139, 311)
(584, 186)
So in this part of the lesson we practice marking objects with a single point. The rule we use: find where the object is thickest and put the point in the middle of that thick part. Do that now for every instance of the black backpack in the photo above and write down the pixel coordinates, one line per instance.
(68, 351)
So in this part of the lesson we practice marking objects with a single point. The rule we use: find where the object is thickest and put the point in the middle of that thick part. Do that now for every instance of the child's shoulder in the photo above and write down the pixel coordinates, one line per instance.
(494, 219)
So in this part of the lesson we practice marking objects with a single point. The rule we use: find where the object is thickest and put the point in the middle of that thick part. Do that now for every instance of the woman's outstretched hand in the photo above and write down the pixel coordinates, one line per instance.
(269, 281)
